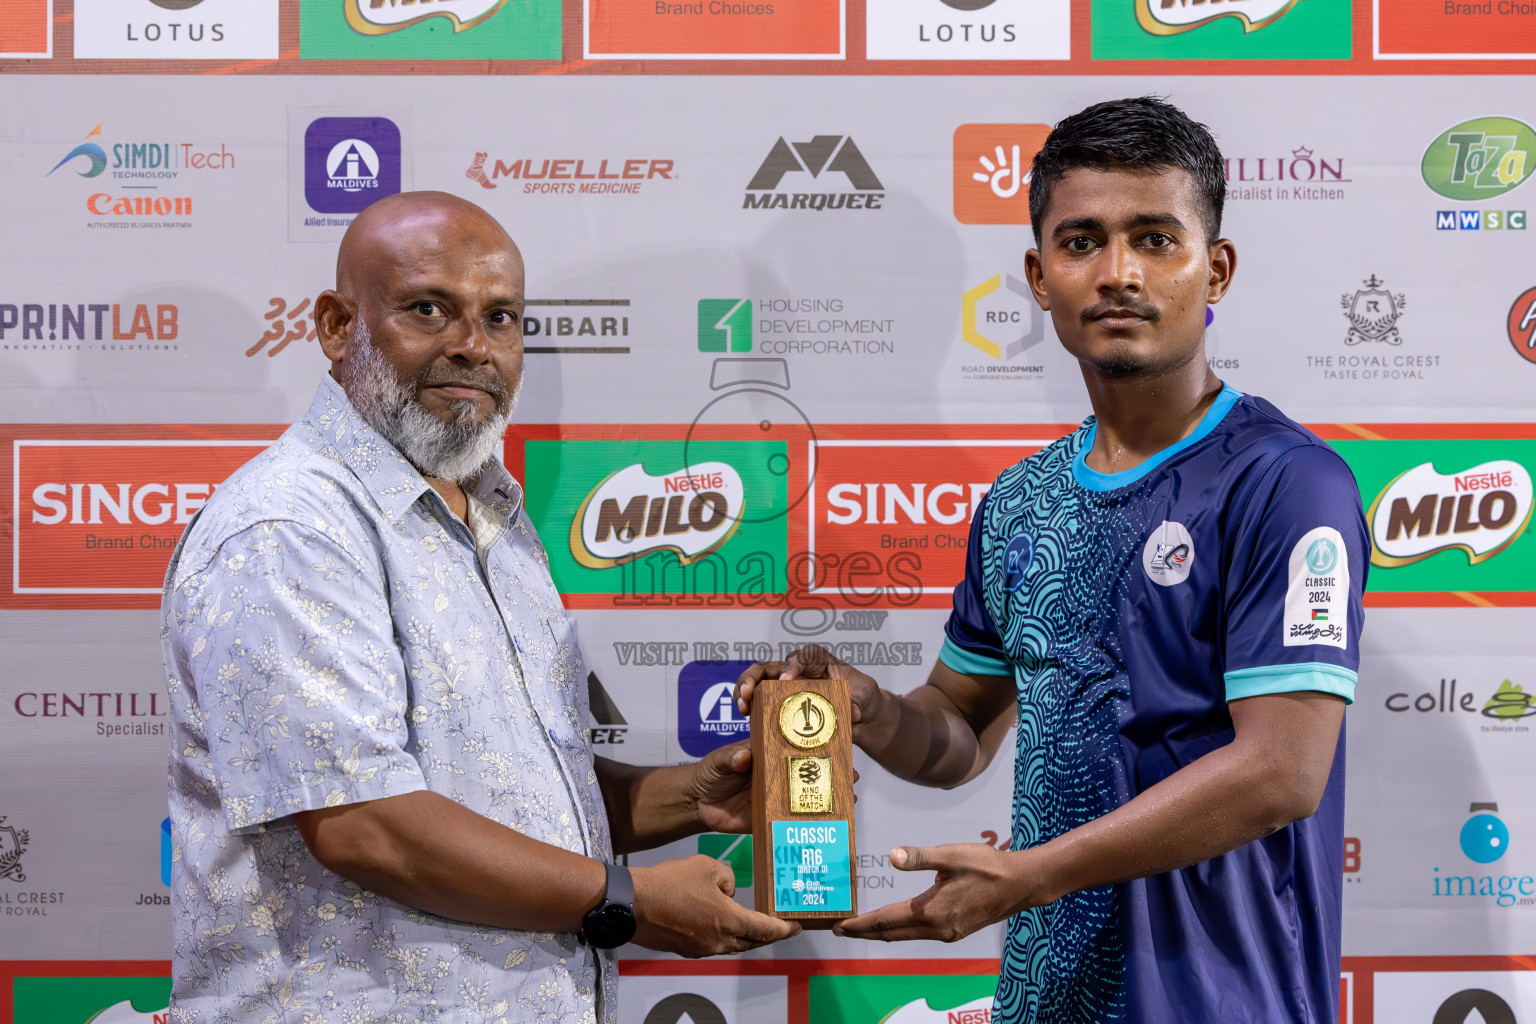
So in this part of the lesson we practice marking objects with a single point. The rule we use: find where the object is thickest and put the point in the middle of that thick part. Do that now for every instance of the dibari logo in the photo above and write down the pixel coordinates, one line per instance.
(349, 162)
(13, 843)
(692, 512)
(1170, 17)
(1479, 159)
(824, 153)
(707, 717)
(991, 171)
(571, 175)
(1423, 511)
(1521, 325)
(380, 17)
(1373, 313)
(116, 327)
(1168, 555)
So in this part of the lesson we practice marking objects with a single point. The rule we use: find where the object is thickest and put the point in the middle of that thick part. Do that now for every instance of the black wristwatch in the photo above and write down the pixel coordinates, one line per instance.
(612, 922)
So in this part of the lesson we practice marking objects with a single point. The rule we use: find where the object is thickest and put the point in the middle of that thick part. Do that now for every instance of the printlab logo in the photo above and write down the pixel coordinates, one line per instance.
(725, 325)
(1422, 512)
(1373, 313)
(1480, 159)
(991, 171)
(611, 724)
(1168, 555)
(13, 842)
(707, 717)
(350, 162)
(1171, 17)
(381, 17)
(1521, 325)
(823, 154)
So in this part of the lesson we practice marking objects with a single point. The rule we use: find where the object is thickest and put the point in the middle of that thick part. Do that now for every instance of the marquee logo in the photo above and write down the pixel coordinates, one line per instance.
(380, 17)
(692, 512)
(1480, 159)
(823, 153)
(1170, 17)
(1423, 512)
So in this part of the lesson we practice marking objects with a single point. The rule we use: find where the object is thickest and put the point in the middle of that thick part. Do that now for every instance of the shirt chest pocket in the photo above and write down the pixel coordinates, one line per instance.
(556, 675)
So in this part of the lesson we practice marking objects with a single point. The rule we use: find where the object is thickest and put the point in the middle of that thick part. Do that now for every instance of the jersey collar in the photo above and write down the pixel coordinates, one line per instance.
(1093, 480)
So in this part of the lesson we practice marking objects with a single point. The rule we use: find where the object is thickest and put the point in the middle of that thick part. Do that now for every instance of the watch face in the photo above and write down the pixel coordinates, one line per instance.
(610, 926)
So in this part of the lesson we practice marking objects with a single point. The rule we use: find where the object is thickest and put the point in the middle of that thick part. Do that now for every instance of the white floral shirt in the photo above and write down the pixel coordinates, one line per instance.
(332, 636)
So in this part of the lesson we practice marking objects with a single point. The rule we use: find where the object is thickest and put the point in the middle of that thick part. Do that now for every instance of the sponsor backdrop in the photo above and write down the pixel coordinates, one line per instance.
(778, 348)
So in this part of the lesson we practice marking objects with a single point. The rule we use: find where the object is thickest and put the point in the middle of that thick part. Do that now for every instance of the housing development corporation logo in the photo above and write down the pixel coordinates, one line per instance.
(381, 17)
(991, 164)
(349, 163)
(1171, 17)
(1480, 159)
(831, 155)
(1422, 512)
(725, 325)
(1372, 313)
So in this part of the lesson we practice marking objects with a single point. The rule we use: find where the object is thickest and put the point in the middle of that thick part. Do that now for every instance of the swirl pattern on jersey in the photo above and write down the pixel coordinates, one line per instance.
(1063, 964)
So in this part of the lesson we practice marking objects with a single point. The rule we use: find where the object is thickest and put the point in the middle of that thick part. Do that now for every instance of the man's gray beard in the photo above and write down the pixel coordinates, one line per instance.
(456, 450)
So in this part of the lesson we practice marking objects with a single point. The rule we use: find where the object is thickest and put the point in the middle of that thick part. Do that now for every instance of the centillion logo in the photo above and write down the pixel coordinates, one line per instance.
(692, 512)
(380, 17)
(1170, 17)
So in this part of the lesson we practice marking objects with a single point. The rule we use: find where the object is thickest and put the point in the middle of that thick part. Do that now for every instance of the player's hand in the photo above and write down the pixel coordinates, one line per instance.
(816, 662)
(721, 789)
(976, 886)
(685, 907)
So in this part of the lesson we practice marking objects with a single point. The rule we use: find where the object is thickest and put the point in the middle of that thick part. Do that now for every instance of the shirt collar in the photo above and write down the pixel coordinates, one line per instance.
(391, 480)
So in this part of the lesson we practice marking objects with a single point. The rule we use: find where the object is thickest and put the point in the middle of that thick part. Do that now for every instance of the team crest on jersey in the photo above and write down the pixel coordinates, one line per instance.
(1168, 555)
(1018, 556)
(1317, 595)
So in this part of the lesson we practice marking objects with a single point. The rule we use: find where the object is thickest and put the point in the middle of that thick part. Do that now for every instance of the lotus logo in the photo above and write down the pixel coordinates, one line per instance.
(692, 511)
(1423, 512)
(380, 17)
(1170, 17)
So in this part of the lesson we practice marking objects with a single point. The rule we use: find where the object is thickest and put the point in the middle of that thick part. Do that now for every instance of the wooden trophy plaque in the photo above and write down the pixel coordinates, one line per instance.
(803, 856)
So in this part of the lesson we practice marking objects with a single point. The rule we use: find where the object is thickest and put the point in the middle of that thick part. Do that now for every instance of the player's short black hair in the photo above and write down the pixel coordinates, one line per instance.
(1140, 133)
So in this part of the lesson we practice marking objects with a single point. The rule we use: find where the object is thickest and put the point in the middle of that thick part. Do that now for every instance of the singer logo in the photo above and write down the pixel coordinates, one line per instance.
(1423, 511)
(991, 171)
(897, 514)
(378, 17)
(692, 512)
(103, 516)
(1169, 17)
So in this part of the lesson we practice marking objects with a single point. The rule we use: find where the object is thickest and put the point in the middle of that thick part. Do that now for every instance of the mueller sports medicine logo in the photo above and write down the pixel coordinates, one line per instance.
(1423, 512)
(617, 175)
(824, 154)
(127, 178)
(1170, 17)
(1480, 159)
(349, 162)
(103, 516)
(381, 17)
(692, 512)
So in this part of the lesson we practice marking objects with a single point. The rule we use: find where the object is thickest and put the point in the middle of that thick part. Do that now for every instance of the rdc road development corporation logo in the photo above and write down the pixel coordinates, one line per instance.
(570, 175)
(1171, 17)
(991, 171)
(176, 29)
(1000, 318)
(1521, 325)
(707, 717)
(968, 30)
(142, 182)
(1168, 555)
(381, 17)
(833, 155)
(1422, 512)
(349, 163)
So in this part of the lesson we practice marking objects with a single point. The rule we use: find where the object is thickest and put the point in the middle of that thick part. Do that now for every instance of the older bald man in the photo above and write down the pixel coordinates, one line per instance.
(384, 805)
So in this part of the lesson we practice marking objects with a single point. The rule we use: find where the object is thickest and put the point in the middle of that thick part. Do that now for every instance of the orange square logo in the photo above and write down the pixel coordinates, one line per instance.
(992, 171)
(24, 28)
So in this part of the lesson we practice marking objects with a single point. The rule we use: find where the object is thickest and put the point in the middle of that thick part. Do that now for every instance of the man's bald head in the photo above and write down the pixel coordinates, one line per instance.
(402, 226)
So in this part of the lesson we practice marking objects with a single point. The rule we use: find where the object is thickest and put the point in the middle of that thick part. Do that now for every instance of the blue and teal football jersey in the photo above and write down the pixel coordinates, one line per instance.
(1130, 608)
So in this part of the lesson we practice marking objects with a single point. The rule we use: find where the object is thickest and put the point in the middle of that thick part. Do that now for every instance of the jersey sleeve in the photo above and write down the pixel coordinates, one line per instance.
(971, 644)
(1294, 585)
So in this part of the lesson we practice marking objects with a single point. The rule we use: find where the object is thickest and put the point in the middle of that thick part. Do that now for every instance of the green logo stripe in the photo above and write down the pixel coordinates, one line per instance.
(1480, 159)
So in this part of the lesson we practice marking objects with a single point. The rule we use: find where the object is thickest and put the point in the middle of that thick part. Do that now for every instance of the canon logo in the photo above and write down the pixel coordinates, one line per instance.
(888, 504)
(147, 504)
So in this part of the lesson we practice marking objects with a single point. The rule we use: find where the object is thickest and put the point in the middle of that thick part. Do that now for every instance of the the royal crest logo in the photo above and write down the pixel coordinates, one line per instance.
(1373, 313)
(692, 511)
(1170, 17)
(379, 17)
(13, 842)
(1423, 512)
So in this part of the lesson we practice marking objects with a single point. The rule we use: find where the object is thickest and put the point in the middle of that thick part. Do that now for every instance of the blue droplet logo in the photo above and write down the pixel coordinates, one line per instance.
(1484, 838)
(1322, 556)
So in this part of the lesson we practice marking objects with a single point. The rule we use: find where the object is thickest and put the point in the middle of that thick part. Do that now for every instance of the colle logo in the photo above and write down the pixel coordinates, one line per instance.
(380, 17)
(1510, 702)
(823, 153)
(691, 511)
(725, 325)
(991, 171)
(1170, 17)
(1423, 512)
(1521, 325)
(1479, 159)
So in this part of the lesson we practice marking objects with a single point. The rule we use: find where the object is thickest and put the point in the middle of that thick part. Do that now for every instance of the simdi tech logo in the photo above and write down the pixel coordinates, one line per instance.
(176, 29)
(138, 183)
(991, 166)
(430, 29)
(804, 164)
(1222, 29)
